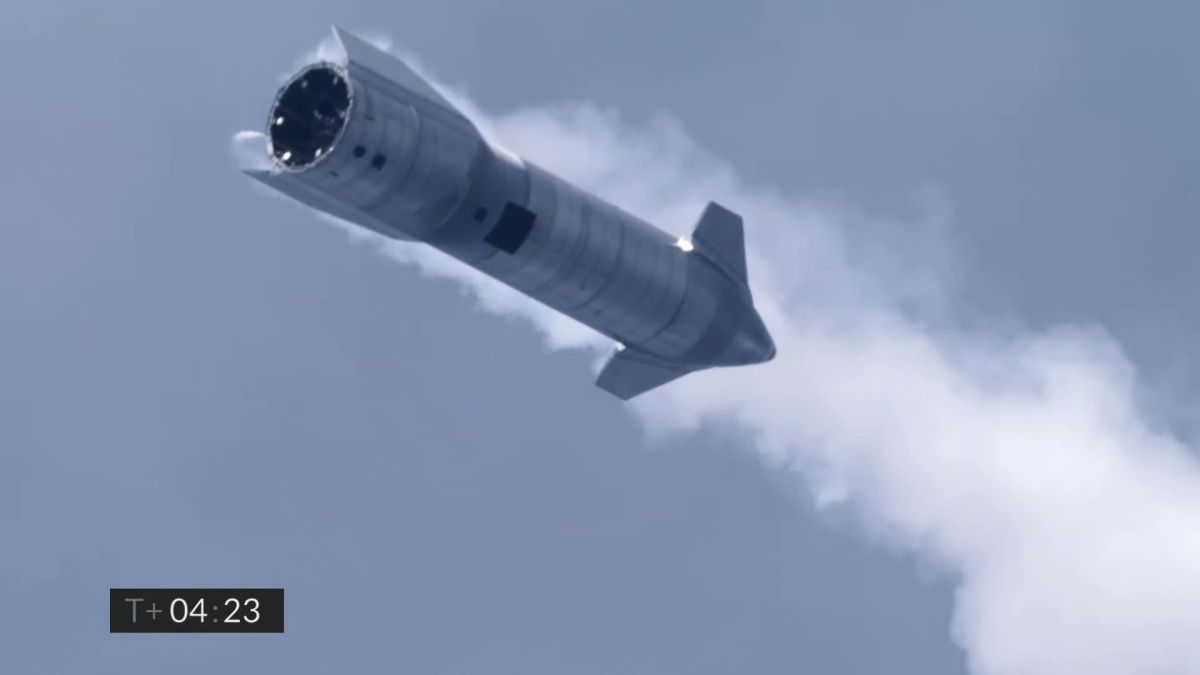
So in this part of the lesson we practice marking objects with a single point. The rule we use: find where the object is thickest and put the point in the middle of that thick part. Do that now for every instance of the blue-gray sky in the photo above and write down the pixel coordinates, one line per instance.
(201, 386)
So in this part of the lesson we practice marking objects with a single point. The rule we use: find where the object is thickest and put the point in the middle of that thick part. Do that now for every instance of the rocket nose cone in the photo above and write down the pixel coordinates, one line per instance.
(753, 343)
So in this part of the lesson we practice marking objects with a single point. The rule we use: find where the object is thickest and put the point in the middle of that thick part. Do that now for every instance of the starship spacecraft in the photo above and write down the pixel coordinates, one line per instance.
(370, 142)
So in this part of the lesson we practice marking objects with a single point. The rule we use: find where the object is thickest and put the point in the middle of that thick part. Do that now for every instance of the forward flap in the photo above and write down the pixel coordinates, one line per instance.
(364, 56)
(322, 203)
(719, 237)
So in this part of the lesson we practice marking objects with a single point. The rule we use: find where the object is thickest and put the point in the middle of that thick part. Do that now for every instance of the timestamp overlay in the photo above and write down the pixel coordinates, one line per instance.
(195, 610)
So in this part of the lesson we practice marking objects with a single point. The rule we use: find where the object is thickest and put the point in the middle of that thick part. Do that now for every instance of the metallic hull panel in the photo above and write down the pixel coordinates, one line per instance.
(369, 141)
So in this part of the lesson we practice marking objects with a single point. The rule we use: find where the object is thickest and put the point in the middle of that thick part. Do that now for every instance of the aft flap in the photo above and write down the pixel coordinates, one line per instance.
(630, 372)
(365, 56)
(720, 238)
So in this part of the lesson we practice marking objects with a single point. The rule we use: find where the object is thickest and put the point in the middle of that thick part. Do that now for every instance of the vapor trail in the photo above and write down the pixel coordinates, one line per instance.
(1017, 459)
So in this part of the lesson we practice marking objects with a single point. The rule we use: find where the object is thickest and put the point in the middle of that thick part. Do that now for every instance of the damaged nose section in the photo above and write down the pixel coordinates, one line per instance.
(308, 117)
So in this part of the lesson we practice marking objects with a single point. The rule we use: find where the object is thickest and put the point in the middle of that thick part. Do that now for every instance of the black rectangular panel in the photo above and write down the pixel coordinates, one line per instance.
(512, 229)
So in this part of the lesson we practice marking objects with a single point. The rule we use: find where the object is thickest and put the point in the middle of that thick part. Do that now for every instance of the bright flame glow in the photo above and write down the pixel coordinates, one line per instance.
(684, 245)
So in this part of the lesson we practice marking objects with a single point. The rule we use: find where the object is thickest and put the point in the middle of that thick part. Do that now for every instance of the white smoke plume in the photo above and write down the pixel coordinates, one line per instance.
(1017, 460)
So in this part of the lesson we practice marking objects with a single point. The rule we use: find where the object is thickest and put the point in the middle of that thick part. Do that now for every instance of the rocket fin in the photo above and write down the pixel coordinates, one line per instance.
(314, 199)
(719, 237)
(630, 372)
(365, 57)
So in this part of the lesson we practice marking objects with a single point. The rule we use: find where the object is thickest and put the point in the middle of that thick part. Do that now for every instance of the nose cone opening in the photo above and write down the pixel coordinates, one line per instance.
(309, 116)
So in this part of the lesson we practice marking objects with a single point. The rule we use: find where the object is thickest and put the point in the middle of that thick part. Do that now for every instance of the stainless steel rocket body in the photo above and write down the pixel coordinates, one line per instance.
(370, 142)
